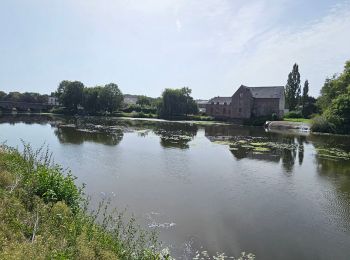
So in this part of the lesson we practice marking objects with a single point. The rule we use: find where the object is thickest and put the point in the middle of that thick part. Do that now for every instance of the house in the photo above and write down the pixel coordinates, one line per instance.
(219, 107)
(248, 102)
(202, 104)
(53, 101)
(130, 99)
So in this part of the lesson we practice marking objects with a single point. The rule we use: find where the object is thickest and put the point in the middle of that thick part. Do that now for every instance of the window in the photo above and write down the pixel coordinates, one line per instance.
(240, 95)
(224, 111)
(239, 110)
(211, 110)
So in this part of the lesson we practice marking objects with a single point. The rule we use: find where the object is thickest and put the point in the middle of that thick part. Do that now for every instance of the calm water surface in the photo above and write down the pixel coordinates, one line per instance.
(288, 202)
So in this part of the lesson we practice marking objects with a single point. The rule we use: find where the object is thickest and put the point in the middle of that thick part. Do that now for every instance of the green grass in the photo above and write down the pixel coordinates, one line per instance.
(301, 120)
(43, 215)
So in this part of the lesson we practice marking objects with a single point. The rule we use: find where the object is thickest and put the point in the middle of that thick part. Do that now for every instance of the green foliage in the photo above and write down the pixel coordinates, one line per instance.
(28, 97)
(309, 107)
(338, 113)
(293, 88)
(42, 216)
(320, 124)
(144, 101)
(334, 87)
(110, 97)
(293, 114)
(93, 100)
(70, 94)
(176, 102)
(301, 120)
(138, 108)
(335, 102)
(305, 95)
(2, 95)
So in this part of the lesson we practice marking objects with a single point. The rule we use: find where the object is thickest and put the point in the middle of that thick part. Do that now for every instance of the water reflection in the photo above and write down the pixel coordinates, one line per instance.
(254, 143)
(74, 136)
(176, 135)
(27, 119)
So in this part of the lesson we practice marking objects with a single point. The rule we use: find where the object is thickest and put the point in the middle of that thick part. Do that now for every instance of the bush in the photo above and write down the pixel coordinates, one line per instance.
(322, 125)
(338, 113)
(293, 114)
(42, 216)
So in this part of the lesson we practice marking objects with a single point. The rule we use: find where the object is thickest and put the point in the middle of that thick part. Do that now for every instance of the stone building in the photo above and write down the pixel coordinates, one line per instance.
(248, 102)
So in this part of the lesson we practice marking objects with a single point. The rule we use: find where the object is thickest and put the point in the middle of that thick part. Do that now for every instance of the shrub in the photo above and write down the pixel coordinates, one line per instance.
(338, 113)
(293, 114)
(322, 125)
(41, 216)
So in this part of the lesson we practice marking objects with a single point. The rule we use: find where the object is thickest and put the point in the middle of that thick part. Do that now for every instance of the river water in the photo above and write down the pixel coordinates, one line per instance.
(221, 188)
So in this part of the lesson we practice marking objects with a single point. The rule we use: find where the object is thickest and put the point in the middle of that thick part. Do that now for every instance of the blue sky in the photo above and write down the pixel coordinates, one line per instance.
(211, 46)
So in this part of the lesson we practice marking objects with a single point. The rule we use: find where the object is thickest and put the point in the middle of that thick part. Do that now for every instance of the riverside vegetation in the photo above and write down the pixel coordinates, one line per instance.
(44, 215)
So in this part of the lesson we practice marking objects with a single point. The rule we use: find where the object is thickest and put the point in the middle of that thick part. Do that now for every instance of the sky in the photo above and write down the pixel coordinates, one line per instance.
(145, 46)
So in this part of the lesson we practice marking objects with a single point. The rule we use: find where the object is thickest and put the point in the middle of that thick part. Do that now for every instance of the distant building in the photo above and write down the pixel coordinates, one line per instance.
(130, 99)
(53, 101)
(202, 105)
(248, 102)
(219, 107)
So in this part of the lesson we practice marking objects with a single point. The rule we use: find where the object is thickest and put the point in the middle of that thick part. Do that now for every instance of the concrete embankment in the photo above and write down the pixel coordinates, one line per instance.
(288, 126)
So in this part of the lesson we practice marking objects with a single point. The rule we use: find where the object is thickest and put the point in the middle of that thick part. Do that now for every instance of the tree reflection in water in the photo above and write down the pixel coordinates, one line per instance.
(176, 135)
(276, 147)
(74, 136)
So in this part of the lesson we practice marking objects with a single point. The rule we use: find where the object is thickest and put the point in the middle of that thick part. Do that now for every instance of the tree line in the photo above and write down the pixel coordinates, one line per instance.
(298, 101)
(28, 97)
(330, 111)
(75, 97)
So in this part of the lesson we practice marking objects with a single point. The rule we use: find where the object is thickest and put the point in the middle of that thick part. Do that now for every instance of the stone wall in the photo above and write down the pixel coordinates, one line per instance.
(218, 110)
(241, 103)
(266, 107)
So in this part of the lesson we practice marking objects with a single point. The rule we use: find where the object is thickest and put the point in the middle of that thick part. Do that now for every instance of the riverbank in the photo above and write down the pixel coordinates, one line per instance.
(43, 215)
(288, 126)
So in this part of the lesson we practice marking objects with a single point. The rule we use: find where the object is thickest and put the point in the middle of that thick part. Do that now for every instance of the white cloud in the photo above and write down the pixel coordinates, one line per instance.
(320, 48)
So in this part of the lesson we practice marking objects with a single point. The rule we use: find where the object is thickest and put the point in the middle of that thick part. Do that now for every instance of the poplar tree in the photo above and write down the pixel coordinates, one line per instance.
(305, 93)
(293, 88)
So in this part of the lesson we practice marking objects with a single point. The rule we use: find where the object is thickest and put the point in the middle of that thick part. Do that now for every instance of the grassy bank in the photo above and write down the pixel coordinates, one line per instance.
(43, 215)
(299, 120)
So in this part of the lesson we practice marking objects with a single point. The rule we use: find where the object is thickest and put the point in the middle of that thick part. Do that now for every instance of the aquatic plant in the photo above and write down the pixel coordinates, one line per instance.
(204, 255)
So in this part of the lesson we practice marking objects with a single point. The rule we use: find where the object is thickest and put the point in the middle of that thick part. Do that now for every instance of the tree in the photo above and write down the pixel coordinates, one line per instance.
(70, 94)
(14, 97)
(334, 87)
(177, 102)
(293, 89)
(335, 101)
(2, 95)
(91, 101)
(338, 113)
(110, 97)
(305, 93)
(143, 101)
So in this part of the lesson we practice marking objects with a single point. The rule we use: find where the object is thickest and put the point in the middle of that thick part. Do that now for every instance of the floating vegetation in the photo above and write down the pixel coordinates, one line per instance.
(259, 144)
(261, 149)
(333, 153)
(204, 255)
